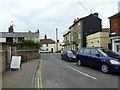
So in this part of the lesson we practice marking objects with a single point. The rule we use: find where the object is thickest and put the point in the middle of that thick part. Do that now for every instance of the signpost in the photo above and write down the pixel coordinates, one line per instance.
(15, 62)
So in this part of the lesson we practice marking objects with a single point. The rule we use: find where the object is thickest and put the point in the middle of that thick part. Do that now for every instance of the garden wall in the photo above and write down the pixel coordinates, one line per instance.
(28, 54)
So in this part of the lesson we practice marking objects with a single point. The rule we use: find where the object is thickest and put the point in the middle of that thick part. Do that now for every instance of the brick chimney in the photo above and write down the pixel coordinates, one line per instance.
(11, 29)
(75, 20)
(45, 37)
(96, 14)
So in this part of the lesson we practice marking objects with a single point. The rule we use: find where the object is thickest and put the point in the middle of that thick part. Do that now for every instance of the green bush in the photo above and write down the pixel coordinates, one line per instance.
(28, 44)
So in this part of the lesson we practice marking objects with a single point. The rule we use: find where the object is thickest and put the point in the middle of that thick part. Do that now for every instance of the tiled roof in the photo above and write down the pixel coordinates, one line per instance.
(83, 18)
(19, 34)
(105, 29)
(47, 41)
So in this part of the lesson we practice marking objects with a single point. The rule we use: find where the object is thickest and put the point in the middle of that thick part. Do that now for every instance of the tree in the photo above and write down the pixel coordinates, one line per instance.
(28, 44)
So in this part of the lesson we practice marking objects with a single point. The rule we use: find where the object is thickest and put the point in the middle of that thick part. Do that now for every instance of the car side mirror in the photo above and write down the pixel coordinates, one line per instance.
(97, 55)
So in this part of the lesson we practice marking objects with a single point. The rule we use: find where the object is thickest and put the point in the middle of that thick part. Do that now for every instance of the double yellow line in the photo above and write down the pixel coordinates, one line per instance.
(40, 79)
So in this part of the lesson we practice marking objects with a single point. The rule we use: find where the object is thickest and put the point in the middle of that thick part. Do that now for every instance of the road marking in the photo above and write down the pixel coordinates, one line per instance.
(56, 84)
(38, 82)
(58, 61)
(82, 73)
(72, 63)
(40, 79)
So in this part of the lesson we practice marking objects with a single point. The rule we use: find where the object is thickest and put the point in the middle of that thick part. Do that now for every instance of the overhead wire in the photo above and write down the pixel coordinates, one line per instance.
(83, 6)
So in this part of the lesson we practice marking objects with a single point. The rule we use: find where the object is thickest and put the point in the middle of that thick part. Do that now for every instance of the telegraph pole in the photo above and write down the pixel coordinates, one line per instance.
(56, 40)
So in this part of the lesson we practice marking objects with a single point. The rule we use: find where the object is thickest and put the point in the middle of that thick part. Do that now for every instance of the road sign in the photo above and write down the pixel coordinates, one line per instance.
(15, 62)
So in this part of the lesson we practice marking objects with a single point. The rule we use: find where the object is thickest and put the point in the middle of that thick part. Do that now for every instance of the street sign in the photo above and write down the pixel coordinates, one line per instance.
(15, 62)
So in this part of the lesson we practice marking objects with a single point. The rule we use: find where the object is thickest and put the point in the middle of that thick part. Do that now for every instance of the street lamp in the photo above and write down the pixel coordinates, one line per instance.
(56, 40)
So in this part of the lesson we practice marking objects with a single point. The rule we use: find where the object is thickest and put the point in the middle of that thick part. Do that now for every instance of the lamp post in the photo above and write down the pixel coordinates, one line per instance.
(56, 40)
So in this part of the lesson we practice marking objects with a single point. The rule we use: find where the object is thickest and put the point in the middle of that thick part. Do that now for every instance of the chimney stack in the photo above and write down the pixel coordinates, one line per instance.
(11, 30)
(96, 14)
(75, 20)
(45, 37)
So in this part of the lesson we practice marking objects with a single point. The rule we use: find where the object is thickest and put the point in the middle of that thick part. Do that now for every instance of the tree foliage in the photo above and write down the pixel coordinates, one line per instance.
(28, 44)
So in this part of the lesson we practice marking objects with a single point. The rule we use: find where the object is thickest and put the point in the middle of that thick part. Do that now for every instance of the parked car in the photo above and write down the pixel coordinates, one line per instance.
(43, 51)
(68, 55)
(104, 59)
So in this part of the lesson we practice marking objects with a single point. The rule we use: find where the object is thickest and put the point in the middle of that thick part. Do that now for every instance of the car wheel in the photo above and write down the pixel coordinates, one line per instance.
(105, 68)
(79, 63)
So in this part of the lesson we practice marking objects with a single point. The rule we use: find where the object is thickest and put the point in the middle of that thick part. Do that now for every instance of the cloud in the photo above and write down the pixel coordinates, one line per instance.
(47, 15)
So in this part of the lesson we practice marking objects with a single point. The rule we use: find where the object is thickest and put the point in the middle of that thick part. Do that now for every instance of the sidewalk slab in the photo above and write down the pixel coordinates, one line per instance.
(22, 78)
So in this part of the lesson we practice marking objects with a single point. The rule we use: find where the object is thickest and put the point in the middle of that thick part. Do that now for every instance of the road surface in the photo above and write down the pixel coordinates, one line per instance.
(57, 73)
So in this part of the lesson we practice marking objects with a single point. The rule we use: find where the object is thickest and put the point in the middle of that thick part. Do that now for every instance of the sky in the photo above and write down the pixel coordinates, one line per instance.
(47, 15)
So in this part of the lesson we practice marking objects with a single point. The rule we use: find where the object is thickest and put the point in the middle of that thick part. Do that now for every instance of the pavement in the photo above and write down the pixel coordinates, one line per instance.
(25, 78)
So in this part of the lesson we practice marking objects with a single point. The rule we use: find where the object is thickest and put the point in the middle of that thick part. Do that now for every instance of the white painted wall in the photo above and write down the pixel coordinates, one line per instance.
(2, 39)
(60, 46)
(50, 46)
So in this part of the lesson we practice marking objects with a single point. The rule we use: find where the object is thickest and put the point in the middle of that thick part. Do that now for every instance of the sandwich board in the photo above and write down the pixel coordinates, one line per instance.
(15, 62)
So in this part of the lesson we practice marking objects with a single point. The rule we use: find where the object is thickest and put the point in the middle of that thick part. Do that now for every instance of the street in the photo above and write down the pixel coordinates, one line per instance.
(57, 73)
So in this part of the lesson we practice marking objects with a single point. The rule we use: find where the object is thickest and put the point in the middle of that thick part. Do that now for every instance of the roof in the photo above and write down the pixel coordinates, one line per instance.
(82, 19)
(116, 15)
(105, 29)
(19, 34)
(47, 41)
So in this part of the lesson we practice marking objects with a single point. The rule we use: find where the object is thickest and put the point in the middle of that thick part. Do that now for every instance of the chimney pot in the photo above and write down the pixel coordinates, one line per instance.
(11, 30)
(96, 14)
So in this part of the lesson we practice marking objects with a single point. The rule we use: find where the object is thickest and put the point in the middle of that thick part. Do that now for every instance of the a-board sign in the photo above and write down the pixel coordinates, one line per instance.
(15, 62)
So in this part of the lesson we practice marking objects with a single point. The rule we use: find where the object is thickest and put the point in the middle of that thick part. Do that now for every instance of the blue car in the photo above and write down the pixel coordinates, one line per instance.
(104, 59)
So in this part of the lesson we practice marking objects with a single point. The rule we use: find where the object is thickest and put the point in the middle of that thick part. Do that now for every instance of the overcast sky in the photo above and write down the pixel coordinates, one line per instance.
(47, 15)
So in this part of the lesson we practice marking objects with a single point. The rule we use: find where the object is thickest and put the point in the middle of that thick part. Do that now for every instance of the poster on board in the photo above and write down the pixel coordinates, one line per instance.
(15, 62)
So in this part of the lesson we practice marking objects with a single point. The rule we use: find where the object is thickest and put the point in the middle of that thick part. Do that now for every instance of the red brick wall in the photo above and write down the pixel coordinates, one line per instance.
(115, 25)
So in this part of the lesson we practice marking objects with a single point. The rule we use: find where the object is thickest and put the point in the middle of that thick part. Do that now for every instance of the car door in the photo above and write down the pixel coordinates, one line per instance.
(86, 56)
(63, 55)
(66, 55)
(95, 58)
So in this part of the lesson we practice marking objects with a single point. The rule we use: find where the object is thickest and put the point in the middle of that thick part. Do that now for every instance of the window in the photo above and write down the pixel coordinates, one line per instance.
(71, 38)
(80, 51)
(46, 45)
(86, 51)
(79, 35)
(71, 28)
(94, 52)
(107, 52)
(78, 23)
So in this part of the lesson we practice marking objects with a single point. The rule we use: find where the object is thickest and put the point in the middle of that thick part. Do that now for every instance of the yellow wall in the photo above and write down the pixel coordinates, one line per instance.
(100, 39)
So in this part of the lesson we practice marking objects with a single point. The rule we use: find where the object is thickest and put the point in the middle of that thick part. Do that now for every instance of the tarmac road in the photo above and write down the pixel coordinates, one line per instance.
(57, 73)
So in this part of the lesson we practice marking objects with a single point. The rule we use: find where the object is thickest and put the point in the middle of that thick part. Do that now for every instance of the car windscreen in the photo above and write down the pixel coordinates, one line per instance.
(69, 52)
(107, 52)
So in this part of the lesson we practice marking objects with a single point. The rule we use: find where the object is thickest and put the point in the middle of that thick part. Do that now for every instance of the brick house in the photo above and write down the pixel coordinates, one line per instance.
(115, 32)
(67, 39)
(81, 28)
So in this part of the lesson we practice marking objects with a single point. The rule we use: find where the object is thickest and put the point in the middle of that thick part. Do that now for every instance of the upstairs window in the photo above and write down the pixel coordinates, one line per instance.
(78, 23)
(46, 45)
(79, 35)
